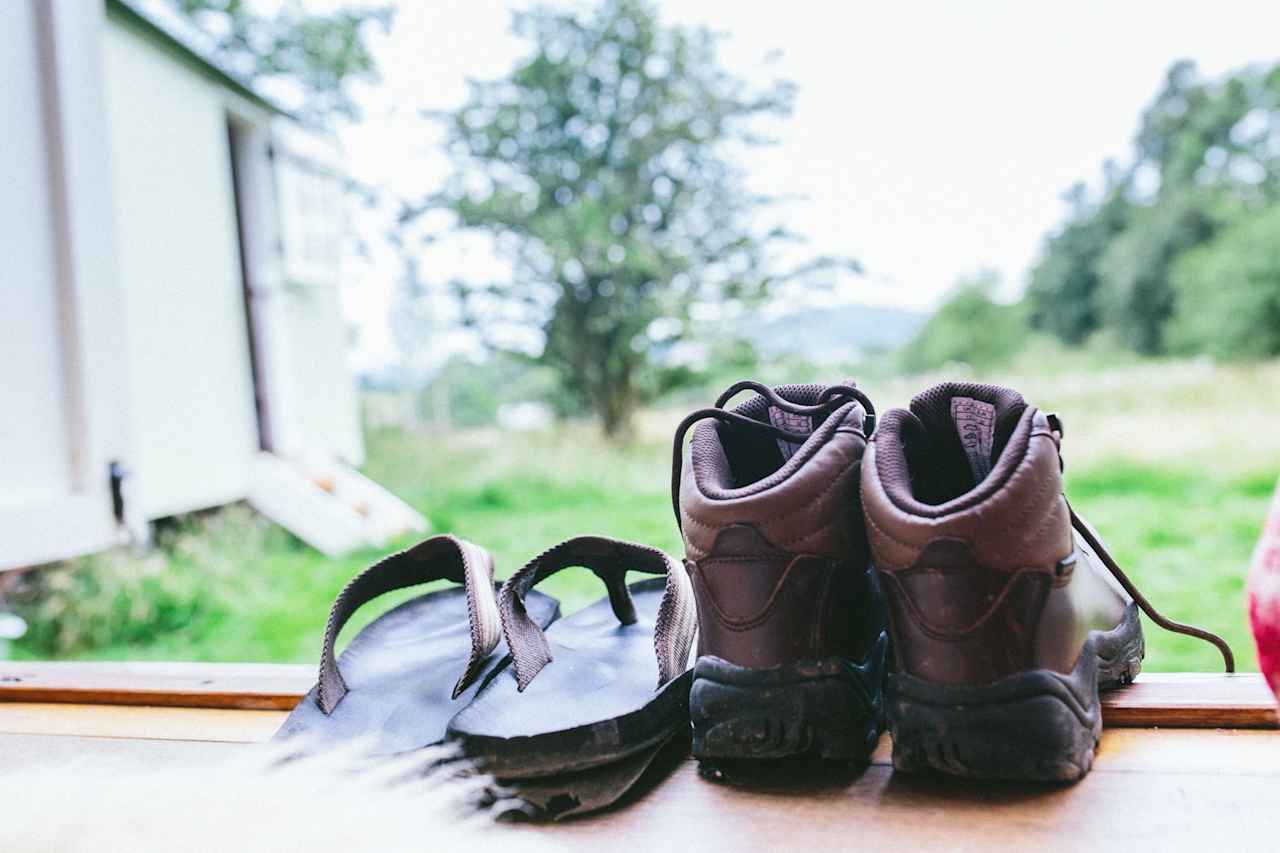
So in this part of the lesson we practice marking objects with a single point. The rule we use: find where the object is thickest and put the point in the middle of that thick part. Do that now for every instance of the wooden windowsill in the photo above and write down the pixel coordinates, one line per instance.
(1180, 700)
(1186, 761)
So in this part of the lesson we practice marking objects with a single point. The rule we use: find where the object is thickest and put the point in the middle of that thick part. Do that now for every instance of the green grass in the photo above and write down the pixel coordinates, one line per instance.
(519, 494)
(1185, 538)
(1174, 463)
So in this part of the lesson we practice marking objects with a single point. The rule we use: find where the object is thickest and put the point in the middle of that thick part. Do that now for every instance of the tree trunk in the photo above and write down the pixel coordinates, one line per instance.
(616, 404)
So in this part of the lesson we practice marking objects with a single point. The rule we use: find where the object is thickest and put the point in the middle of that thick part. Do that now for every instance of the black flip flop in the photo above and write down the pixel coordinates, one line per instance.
(394, 685)
(571, 794)
(612, 680)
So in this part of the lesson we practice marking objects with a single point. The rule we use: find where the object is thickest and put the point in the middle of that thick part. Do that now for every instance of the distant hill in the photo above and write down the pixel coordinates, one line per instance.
(838, 333)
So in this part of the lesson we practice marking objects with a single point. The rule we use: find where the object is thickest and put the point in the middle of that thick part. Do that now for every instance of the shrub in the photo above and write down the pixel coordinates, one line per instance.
(970, 328)
(122, 596)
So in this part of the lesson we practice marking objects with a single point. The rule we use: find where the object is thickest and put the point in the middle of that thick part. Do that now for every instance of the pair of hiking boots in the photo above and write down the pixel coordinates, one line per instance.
(926, 572)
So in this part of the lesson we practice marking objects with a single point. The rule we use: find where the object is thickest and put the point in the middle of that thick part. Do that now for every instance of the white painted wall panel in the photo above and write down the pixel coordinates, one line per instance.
(193, 421)
(34, 441)
(319, 410)
(325, 411)
(62, 362)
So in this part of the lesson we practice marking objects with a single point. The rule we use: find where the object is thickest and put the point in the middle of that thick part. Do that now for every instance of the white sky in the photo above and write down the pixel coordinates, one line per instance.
(930, 139)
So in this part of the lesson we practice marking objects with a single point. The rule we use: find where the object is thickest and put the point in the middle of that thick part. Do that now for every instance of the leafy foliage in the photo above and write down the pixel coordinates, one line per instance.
(319, 54)
(194, 575)
(1228, 291)
(601, 166)
(1213, 133)
(1062, 295)
(1206, 161)
(1136, 297)
(970, 328)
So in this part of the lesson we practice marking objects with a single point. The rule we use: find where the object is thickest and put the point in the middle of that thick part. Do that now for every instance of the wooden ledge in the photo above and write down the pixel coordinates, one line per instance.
(1175, 700)
(1150, 789)
(244, 686)
(1195, 700)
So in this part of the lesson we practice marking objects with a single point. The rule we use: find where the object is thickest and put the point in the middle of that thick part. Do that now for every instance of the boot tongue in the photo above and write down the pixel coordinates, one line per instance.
(975, 422)
(791, 422)
(804, 395)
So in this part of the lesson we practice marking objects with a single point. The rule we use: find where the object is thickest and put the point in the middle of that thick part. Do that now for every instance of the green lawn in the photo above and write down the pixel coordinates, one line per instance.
(1173, 462)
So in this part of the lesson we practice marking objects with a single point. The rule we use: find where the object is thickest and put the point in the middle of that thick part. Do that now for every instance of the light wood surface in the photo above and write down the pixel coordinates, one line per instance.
(260, 686)
(139, 722)
(1150, 789)
(1193, 700)
(1186, 762)
(1130, 801)
(1200, 700)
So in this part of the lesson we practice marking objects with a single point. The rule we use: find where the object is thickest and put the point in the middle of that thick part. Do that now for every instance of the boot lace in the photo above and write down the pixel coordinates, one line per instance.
(1173, 626)
(831, 398)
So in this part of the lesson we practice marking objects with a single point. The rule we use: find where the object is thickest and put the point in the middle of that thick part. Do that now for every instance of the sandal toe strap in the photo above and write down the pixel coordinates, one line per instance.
(610, 560)
(438, 558)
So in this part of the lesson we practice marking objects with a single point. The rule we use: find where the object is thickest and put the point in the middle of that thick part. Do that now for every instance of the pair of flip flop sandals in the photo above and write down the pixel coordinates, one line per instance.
(569, 712)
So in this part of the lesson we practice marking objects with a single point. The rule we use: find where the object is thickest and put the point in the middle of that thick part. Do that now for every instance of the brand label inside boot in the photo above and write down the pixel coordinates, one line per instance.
(790, 422)
(976, 424)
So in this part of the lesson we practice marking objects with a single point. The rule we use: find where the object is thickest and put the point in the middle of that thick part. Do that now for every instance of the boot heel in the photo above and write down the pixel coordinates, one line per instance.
(1037, 725)
(1033, 726)
(828, 710)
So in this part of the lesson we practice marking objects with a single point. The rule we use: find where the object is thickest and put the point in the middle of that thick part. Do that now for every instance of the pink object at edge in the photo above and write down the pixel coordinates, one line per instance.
(1264, 597)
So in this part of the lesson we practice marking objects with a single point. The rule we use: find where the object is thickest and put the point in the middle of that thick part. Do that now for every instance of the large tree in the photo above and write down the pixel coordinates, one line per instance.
(601, 165)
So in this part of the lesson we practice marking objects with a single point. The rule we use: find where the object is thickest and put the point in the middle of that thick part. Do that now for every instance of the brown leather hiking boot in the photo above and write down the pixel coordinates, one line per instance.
(792, 640)
(1007, 614)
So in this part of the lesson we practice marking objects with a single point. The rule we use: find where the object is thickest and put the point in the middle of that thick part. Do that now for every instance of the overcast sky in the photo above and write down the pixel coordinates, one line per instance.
(930, 139)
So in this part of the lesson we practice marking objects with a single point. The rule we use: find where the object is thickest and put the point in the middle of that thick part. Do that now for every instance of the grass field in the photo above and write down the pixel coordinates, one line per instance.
(1174, 462)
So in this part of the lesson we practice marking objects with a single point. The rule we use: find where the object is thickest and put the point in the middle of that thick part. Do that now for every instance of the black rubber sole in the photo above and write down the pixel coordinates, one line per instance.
(827, 710)
(582, 748)
(1038, 725)
(583, 792)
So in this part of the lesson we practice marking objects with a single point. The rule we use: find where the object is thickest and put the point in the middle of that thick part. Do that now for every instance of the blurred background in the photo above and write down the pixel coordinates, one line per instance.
(291, 283)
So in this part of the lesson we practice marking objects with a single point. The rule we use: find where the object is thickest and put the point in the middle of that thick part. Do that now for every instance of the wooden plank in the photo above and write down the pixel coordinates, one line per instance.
(1189, 700)
(1225, 752)
(1150, 789)
(185, 685)
(110, 755)
(1139, 750)
(1112, 808)
(151, 723)
(1193, 700)
(1219, 751)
